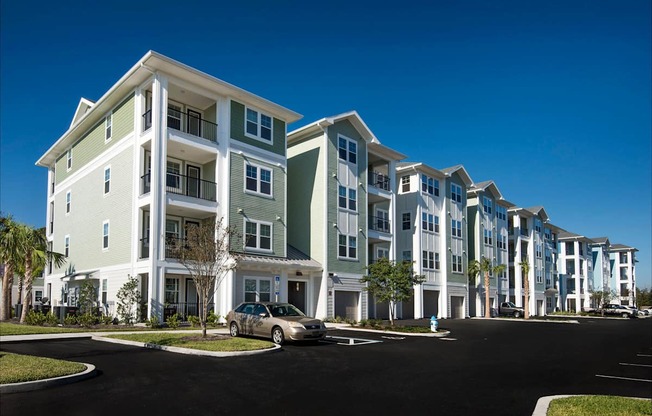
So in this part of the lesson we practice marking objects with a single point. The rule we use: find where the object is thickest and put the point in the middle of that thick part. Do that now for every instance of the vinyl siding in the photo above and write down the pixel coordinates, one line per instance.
(92, 143)
(238, 130)
(256, 207)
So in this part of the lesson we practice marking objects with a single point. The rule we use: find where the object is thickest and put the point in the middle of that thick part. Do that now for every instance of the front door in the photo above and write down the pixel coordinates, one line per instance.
(297, 294)
(194, 123)
(192, 299)
(193, 179)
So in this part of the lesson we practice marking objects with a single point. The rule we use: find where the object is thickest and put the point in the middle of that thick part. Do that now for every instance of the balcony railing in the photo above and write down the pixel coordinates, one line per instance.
(525, 232)
(187, 123)
(170, 245)
(183, 185)
(379, 180)
(379, 224)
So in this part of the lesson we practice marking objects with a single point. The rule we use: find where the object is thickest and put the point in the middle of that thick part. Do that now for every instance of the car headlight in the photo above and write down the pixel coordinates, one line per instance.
(292, 324)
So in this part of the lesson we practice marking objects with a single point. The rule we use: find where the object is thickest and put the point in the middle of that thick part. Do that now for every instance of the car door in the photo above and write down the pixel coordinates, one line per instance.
(262, 326)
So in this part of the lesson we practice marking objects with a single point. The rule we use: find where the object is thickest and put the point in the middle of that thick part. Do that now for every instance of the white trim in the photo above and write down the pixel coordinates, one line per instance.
(69, 159)
(106, 224)
(66, 245)
(68, 202)
(257, 249)
(259, 125)
(104, 181)
(348, 140)
(257, 192)
(108, 126)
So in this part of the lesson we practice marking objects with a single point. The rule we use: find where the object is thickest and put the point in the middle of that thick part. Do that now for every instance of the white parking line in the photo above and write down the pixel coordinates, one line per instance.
(624, 378)
(351, 341)
(644, 355)
(636, 365)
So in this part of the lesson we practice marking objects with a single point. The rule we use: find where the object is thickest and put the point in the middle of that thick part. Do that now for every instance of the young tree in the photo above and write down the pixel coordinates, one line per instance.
(602, 297)
(485, 267)
(128, 301)
(525, 271)
(391, 282)
(87, 297)
(32, 248)
(208, 256)
(10, 259)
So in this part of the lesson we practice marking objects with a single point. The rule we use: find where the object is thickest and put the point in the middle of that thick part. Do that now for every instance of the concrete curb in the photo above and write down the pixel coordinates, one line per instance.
(543, 403)
(439, 334)
(49, 382)
(187, 351)
(547, 321)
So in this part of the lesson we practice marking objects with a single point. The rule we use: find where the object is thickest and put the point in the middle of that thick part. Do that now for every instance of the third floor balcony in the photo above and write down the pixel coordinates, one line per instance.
(178, 184)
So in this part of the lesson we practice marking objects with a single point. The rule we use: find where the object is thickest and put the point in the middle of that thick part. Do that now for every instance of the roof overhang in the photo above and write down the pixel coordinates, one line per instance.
(420, 167)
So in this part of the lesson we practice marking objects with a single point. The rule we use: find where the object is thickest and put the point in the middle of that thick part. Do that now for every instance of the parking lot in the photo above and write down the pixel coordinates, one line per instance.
(482, 367)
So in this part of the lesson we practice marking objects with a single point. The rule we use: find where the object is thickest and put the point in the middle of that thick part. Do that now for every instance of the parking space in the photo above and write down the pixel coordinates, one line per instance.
(636, 369)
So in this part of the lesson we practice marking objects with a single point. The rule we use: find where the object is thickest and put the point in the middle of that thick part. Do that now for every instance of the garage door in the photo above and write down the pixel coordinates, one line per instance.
(457, 307)
(431, 303)
(346, 304)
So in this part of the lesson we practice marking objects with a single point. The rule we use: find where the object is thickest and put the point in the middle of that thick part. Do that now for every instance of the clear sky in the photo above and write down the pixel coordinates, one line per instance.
(550, 99)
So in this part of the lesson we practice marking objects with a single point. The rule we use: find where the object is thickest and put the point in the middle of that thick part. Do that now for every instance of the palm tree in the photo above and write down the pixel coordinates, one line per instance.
(32, 248)
(525, 271)
(10, 260)
(485, 267)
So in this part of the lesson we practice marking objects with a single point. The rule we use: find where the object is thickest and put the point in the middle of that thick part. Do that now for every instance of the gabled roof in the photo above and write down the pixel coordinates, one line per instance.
(420, 167)
(622, 247)
(540, 211)
(567, 235)
(601, 240)
(460, 170)
(486, 186)
(82, 108)
(352, 116)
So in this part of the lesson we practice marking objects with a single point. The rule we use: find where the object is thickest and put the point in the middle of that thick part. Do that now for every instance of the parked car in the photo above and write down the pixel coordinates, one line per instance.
(510, 309)
(619, 310)
(638, 311)
(275, 320)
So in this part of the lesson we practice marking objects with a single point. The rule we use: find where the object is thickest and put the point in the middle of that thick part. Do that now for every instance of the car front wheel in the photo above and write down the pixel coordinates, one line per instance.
(517, 314)
(277, 336)
(625, 315)
(233, 329)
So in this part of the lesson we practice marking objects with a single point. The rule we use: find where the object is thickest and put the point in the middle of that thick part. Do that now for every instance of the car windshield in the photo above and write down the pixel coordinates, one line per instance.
(510, 305)
(285, 310)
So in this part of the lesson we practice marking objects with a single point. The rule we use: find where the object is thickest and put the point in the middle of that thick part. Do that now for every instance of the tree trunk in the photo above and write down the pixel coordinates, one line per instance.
(7, 283)
(487, 286)
(27, 287)
(391, 313)
(526, 307)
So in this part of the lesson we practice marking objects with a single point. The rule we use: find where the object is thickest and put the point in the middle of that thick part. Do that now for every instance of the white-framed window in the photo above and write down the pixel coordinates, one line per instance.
(437, 263)
(171, 290)
(258, 125)
(539, 250)
(457, 263)
(429, 185)
(488, 237)
(456, 193)
(501, 242)
(407, 255)
(539, 276)
(501, 213)
(173, 176)
(347, 149)
(108, 122)
(347, 198)
(428, 260)
(382, 252)
(68, 202)
(487, 205)
(105, 235)
(105, 289)
(347, 246)
(257, 289)
(38, 295)
(537, 225)
(69, 159)
(258, 179)
(456, 228)
(429, 222)
(107, 180)
(66, 245)
(406, 220)
(405, 183)
(258, 235)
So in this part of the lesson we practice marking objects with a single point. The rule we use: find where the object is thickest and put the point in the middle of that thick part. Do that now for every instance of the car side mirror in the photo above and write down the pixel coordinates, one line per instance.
(264, 315)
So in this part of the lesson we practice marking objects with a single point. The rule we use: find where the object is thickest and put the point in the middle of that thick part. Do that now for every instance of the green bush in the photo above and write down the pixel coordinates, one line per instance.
(153, 322)
(70, 320)
(173, 321)
(212, 319)
(51, 319)
(35, 318)
(106, 319)
(87, 320)
(194, 320)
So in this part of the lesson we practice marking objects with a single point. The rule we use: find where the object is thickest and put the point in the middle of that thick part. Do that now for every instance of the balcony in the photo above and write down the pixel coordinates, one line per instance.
(183, 185)
(379, 180)
(170, 244)
(525, 232)
(190, 123)
(379, 224)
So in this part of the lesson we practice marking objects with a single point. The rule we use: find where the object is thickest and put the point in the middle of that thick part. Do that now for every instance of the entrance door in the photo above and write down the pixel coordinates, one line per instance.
(193, 180)
(297, 294)
(431, 304)
(192, 299)
(457, 307)
(346, 304)
(194, 123)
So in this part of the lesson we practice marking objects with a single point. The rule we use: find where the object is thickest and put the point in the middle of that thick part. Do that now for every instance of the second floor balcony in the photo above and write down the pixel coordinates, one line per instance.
(379, 224)
(178, 184)
(379, 180)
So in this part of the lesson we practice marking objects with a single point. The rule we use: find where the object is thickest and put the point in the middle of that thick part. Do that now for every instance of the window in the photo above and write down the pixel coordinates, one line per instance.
(430, 222)
(407, 255)
(107, 127)
(347, 149)
(105, 235)
(68, 202)
(488, 237)
(107, 180)
(347, 246)
(487, 205)
(501, 213)
(437, 264)
(173, 175)
(539, 276)
(405, 183)
(407, 221)
(257, 290)
(171, 290)
(428, 259)
(457, 263)
(66, 246)
(429, 185)
(537, 225)
(69, 159)
(258, 235)
(105, 285)
(539, 251)
(456, 228)
(502, 242)
(258, 179)
(456, 193)
(347, 198)
(38, 295)
(258, 125)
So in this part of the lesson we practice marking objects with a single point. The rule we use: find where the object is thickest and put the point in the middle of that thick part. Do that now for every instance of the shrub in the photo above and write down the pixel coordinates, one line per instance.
(153, 322)
(173, 321)
(51, 319)
(87, 320)
(106, 319)
(128, 301)
(70, 320)
(194, 320)
(212, 319)
(35, 318)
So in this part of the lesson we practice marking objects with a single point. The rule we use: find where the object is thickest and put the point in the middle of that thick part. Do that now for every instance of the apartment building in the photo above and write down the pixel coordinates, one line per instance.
(623, 272)
(601, 267)
(526, 245)
(576, 271)
(551, 270)
(343, 201)
(488, 233)
(431, 210)
(167, 146)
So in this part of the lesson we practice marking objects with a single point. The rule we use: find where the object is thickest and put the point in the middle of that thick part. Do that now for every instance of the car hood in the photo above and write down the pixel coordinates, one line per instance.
(304, 320)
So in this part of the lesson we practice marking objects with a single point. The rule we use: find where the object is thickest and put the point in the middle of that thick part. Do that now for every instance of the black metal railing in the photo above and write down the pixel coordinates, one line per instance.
(379, 180)
(379, 224)
(178, 184)
(187, 123)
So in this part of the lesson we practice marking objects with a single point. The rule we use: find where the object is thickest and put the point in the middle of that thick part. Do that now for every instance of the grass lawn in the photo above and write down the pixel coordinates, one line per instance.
(16, 368)
(221, 343)
(599, 406)
(10, 328)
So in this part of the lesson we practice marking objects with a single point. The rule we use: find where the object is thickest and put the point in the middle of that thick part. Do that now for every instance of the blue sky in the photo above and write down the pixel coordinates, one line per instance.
(551, 99)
